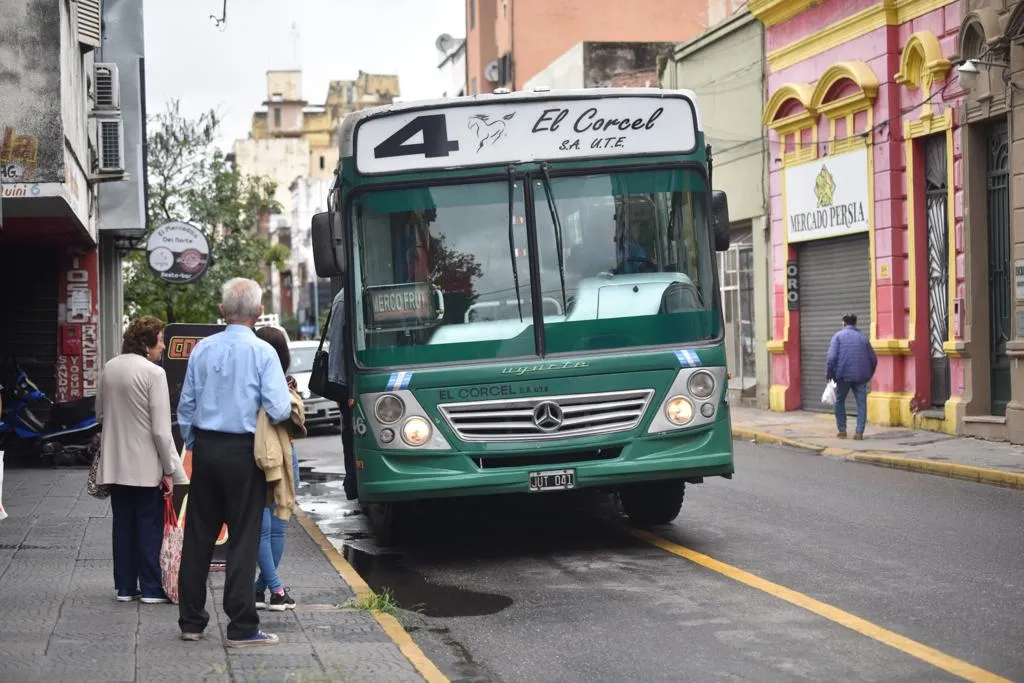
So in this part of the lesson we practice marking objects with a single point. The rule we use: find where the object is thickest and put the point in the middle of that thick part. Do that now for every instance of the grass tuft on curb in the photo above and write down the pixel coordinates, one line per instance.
(374, 602)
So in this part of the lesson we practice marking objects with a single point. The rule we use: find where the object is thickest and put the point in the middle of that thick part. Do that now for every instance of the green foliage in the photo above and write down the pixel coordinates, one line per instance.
(191, 180)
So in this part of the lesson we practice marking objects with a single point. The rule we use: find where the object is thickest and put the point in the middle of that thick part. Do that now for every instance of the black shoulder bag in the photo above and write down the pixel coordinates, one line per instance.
(320, 380)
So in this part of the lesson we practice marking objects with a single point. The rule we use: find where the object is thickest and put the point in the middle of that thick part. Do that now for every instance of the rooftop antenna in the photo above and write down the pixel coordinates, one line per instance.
(295, 46)
(219, 22)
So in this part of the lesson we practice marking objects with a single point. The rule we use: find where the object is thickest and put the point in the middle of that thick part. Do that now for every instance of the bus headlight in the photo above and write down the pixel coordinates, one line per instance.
(416, 431)
(389, 409)
(701, 384)
(679, 410)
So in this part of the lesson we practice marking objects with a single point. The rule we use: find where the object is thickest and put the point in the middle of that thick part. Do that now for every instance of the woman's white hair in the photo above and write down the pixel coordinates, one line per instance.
(241, 299)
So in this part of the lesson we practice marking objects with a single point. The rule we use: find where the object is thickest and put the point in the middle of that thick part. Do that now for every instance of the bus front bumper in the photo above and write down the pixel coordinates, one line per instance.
(391, 476)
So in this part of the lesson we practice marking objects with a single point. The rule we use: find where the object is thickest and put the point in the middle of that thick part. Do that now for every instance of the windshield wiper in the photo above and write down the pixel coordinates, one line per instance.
(512, 236)
(558, 227)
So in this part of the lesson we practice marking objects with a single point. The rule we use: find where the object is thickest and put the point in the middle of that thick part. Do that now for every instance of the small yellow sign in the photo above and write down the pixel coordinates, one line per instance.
(883, 271)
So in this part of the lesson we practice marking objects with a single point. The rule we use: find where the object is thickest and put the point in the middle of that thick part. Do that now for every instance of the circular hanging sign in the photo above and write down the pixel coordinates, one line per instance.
(178, 252)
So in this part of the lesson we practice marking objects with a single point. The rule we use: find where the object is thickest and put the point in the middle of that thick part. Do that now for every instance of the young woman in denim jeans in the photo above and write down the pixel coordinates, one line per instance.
(273, 530)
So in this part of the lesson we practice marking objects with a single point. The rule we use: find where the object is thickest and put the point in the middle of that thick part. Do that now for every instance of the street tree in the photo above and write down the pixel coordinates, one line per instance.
(191, 180)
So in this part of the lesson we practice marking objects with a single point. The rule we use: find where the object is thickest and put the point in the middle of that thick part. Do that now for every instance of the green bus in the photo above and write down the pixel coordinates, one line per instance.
(535, 304)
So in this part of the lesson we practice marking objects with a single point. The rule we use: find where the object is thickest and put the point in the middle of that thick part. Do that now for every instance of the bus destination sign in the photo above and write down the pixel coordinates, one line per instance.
(402, 304)
(523, 130)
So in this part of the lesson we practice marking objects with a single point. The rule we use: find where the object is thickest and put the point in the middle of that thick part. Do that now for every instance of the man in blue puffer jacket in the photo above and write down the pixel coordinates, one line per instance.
(851, 363)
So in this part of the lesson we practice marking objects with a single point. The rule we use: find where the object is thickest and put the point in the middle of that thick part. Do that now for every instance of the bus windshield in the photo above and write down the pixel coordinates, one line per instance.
(446, 273)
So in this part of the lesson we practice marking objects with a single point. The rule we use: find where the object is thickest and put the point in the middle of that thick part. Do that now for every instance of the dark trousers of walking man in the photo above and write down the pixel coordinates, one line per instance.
(227, 488)
(349, 451)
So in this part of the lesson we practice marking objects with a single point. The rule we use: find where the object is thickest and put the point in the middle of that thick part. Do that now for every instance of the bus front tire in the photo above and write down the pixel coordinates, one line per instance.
(387, 520)
(653, 503)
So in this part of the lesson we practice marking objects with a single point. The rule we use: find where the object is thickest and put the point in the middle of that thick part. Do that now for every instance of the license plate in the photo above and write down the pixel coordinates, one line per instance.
(552, 480)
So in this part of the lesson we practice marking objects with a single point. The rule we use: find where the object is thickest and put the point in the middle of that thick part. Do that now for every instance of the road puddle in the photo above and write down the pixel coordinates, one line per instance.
(384, 570)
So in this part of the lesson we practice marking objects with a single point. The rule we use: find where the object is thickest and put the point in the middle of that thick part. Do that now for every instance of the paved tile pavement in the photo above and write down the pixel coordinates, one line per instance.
(59, 620)
(934, 451)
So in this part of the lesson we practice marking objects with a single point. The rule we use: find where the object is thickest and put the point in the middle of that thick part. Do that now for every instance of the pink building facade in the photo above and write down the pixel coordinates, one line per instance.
(865, 178)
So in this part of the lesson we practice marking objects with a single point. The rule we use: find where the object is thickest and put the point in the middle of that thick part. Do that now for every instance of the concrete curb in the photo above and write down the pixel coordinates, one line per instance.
(391, 626)
(982, 475)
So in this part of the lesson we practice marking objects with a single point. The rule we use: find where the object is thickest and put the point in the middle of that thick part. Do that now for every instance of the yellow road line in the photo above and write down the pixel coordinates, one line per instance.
(955, 666)
(391, 626)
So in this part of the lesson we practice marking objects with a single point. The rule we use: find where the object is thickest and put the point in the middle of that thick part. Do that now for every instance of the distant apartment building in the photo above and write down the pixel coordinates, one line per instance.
(290, 138)
(508, 42)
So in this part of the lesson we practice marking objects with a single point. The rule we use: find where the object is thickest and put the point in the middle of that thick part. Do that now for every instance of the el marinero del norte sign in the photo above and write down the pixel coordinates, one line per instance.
(828, 197)
(513, 130)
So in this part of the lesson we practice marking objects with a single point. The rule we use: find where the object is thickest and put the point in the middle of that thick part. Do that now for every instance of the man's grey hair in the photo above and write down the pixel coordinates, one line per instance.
(241, 298)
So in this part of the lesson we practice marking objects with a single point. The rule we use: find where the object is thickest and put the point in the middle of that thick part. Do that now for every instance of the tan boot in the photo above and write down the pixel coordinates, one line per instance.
(858, 436)
(841, 435)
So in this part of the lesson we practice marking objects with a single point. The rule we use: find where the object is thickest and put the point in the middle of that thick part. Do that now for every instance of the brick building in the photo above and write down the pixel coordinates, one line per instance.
(508, 42)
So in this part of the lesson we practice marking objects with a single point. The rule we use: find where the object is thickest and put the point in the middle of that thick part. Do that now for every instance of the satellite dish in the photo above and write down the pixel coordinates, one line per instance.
(493, 71)
(444, 43)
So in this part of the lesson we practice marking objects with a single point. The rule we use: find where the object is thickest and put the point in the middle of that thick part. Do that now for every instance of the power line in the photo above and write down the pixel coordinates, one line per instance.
(863, 134)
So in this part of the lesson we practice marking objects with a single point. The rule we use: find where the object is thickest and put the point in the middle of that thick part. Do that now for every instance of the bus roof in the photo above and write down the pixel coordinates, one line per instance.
(553, 125)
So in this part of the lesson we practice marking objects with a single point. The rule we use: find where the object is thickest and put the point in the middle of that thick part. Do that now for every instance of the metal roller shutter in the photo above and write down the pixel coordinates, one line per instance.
(835, 279)
(28, 312)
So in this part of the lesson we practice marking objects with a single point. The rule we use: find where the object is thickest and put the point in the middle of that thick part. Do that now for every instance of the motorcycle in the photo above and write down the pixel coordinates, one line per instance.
(32, 425)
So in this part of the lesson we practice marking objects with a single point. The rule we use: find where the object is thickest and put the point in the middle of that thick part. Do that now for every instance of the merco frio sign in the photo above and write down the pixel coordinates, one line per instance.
(828, 197)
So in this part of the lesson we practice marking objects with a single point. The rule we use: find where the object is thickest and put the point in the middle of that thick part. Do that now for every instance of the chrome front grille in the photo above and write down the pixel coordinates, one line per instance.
(539, 418)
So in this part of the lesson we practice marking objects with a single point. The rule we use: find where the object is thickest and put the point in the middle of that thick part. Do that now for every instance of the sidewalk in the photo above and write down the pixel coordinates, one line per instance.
(59, 620)
(988, 462)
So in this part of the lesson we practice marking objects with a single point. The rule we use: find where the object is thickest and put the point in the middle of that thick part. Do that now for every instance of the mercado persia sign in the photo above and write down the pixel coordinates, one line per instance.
(500, 131)
(828, 197)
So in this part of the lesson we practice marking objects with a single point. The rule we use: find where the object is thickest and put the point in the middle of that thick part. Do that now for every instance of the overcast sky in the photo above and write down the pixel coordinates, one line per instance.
(188, 57)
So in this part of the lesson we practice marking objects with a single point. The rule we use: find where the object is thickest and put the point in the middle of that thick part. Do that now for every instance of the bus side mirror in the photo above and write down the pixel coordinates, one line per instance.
(720, 219)
(329, 239)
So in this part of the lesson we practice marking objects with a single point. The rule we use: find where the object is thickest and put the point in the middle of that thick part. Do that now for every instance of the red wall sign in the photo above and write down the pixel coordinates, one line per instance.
(78, 340)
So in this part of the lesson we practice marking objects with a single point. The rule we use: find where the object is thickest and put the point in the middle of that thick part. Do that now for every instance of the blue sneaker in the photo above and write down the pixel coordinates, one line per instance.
(124, 596)
(260, 638)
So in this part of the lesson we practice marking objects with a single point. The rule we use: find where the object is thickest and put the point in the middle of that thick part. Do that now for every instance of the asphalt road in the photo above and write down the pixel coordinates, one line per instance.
(556, 588)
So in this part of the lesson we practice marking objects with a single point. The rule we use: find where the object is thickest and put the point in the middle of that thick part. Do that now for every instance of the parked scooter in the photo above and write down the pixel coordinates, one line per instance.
(37, 429)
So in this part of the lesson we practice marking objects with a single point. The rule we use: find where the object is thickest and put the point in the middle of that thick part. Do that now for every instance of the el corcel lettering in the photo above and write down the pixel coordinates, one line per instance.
(591, 121)
(466, 393)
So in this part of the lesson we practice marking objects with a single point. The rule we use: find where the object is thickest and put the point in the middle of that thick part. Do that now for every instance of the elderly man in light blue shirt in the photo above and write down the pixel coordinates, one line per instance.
(231, 375)
(336, 373)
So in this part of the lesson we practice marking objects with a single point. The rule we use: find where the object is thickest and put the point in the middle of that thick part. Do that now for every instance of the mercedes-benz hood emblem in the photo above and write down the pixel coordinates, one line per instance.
(548, 416)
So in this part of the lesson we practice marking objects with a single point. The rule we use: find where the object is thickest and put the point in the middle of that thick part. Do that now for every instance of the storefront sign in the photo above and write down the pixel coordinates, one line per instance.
(179, 341)
(793, 285)
(178, 252)
(828, 197)
(78, 357)
(1018, 278)
(515, 131)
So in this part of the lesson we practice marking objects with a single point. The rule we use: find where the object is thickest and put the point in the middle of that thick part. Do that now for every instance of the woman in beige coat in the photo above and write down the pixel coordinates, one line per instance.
(138, 458)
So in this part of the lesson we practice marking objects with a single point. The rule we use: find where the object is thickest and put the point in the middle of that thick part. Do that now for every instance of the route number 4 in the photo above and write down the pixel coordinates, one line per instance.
(434, 129)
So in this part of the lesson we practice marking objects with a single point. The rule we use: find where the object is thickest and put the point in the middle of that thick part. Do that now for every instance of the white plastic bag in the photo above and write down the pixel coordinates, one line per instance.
(3, 513)
(828, 397)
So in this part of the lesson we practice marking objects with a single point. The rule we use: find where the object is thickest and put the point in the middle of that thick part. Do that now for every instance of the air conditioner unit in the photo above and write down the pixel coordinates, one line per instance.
(110, 145)
(106, 87)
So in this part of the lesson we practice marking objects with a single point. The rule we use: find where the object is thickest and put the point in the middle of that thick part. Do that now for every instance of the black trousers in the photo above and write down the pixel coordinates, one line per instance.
(349, 451)
(227, 488)
(138, 513)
